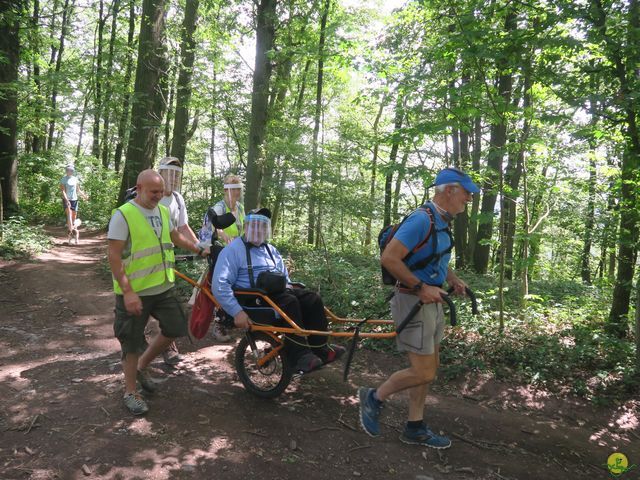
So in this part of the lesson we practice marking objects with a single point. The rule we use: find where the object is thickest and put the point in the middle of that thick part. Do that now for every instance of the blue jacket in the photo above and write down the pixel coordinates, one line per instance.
(231, 271)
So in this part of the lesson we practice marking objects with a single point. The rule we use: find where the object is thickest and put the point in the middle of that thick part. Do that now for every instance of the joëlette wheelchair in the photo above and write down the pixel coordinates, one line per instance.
(260, 360)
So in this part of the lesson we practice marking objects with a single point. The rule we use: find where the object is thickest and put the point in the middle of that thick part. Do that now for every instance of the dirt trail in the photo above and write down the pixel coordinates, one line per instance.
(61, 414)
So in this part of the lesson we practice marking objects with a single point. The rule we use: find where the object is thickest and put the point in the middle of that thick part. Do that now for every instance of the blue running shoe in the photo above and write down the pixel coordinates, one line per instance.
(425, 437)
(369, 411)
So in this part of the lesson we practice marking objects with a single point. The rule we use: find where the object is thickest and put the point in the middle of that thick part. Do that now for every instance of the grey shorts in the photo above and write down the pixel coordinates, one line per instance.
(424, 331)
(165, 307)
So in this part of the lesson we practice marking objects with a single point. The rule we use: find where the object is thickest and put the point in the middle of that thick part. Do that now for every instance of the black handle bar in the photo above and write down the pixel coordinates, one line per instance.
(471, 295)
(418, 305)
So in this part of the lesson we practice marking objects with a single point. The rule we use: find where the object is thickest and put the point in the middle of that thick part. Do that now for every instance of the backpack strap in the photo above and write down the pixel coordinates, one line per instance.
(435, 256)
(421, 244)
(248, 246)
(175, 195)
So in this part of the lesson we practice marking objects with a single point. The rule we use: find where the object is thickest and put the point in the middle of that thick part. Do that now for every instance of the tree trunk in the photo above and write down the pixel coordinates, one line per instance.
(83, 118)
(475, 204)
(585, 269)
(106, 146)
(149, 93)
(265, 38)
(514, 173)
(169, 109)
(10, 11)
(183, 89)
(495, 156)
(212, 144)
(97, 106)
(393, 155)
(374, 171)
(311, 228)
(124, 115)
(37, 140)
(66, 16)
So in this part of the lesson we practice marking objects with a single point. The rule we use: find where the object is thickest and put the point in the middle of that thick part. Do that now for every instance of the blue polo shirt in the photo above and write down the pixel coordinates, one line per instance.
(413, 231)
(231, 271)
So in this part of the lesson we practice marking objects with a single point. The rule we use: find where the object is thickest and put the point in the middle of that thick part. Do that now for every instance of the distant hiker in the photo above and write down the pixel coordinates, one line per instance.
(141, 258)
(230, 203)
(421, 338)
(250, 261)
(70, 188)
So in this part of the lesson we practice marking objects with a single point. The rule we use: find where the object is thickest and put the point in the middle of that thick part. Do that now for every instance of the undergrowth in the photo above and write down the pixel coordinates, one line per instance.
(555, 341)
(18, 239)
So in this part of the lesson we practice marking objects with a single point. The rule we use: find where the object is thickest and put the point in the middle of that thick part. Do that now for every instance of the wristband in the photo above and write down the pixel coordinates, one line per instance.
(418, 286)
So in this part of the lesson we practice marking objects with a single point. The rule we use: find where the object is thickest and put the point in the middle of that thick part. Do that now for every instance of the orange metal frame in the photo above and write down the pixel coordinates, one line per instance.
(294, 328)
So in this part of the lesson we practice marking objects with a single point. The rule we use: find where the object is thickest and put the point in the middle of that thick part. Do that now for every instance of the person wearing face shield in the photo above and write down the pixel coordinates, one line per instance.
(170, 169)
(231, 203)
(250, 261)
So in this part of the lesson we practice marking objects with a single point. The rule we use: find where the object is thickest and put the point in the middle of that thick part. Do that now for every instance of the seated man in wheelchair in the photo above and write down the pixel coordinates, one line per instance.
(250, 261)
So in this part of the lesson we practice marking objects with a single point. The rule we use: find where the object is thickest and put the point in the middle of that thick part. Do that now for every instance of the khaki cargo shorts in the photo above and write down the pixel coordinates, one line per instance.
(424, 331)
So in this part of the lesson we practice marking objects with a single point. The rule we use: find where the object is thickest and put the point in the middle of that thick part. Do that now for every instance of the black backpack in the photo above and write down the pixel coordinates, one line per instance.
(389, 231)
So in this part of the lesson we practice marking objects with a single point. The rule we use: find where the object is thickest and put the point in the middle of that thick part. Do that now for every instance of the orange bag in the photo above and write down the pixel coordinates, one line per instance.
(202, 311)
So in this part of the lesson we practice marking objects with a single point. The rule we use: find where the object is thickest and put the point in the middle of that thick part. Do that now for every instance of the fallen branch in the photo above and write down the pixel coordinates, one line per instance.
(259, 434)
(342, 422)
(358, 448)
(314, 430)
(32, 423)
(472, 442)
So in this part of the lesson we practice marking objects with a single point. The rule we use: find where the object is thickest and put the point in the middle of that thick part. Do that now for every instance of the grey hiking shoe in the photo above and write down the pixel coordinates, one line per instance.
(146, 382)
(135, 404)
(171, 356)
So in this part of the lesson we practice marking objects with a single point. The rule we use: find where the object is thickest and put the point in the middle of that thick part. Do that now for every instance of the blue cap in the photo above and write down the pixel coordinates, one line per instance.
(453, 175)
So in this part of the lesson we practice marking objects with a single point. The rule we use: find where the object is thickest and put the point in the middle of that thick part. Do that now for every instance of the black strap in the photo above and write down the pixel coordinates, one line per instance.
(248, 246)
(435, 256)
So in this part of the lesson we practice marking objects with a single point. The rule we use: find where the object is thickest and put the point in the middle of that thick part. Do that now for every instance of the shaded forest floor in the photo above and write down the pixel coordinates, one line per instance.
(61, 413)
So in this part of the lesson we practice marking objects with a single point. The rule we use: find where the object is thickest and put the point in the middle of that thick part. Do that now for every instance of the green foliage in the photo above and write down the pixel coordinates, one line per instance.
(21, 239)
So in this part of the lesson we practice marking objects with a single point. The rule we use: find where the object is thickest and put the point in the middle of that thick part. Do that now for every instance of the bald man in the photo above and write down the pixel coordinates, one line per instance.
(141, 238)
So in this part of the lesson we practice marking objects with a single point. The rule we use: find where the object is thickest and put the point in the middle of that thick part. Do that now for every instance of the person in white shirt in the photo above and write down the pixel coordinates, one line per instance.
(70, 189)
(170, 169)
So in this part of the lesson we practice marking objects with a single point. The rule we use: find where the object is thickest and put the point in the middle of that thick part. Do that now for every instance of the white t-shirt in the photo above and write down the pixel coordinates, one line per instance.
(177, 209)
(119, 230)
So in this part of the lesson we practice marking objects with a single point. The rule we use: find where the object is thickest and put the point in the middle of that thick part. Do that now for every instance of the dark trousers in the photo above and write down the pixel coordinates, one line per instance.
(304, 307)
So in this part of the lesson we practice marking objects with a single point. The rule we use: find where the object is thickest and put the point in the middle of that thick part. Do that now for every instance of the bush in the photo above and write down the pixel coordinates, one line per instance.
(19, 239)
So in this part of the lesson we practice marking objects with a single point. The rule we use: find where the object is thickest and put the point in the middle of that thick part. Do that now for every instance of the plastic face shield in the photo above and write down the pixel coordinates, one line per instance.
(257, 229)
(172, 175)
(232, 191)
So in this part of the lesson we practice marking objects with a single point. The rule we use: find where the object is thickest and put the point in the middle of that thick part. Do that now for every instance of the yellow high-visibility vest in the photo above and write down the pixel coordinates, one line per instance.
(151, 260)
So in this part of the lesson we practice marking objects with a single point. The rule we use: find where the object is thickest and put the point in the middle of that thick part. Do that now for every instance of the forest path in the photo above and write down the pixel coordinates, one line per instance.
(61, 413)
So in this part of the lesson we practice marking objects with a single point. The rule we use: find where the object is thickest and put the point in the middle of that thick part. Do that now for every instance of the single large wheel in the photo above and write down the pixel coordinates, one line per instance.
(270, 379)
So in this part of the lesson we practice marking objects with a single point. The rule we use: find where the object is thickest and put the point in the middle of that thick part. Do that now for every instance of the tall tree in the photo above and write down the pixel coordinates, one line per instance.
(10, 11)
(149, 93)
(183, 88)
(265, 37)
(66, 18)
(497, 142)
(124, 114)
(109, 85)
(98, 76)
(313, 200)
(622, 48)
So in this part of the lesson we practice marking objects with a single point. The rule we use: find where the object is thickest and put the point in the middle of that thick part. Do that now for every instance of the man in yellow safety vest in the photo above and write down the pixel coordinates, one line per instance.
(141, 239)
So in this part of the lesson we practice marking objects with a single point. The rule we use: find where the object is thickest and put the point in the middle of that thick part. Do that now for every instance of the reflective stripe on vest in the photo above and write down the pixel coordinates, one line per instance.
(151, 260)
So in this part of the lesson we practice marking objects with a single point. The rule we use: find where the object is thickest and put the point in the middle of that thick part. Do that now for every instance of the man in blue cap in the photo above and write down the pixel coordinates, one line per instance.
(418, 257)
